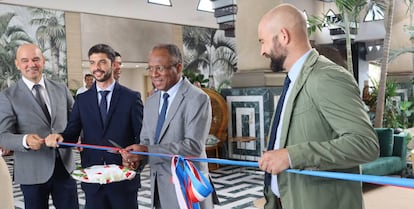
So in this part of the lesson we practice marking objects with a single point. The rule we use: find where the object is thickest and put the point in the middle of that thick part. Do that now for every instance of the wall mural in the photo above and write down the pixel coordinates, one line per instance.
(208, 52)
(43, 27)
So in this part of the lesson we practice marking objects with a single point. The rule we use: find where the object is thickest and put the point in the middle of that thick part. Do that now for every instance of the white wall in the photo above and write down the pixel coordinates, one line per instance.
(182, 12)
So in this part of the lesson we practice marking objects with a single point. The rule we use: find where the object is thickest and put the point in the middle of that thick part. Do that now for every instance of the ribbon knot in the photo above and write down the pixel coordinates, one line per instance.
(191, 186)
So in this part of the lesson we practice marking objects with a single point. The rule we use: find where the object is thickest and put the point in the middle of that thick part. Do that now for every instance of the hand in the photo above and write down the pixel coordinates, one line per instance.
(274, 161)
(132, 160)
(34, 141)
(4, 151)
(53, 139)
(80, 149)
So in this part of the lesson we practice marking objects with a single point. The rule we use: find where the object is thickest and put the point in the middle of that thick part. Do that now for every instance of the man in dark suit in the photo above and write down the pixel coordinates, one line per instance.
(29, 110)
(120, 121)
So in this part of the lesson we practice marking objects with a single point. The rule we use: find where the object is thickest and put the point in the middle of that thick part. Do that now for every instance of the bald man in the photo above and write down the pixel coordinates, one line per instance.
(322, 125)
(30, 110)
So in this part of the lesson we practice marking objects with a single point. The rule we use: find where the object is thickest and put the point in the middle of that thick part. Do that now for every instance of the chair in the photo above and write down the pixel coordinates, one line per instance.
(219, 122)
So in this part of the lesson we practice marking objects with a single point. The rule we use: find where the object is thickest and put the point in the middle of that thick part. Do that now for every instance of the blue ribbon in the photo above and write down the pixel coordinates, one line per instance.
(383, 180)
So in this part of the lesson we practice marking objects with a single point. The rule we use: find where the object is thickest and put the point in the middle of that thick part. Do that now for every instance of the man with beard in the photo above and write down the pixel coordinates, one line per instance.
(106, 111)
(320, 124)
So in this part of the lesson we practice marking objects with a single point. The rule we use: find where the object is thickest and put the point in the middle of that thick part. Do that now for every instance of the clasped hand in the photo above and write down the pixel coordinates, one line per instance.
(53, 139)
(132, 161)
(34, 141)
(274, 161)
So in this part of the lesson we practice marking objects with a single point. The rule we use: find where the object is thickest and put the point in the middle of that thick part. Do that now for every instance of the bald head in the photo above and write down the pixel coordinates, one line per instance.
(283, 29)
(285, 16)
(30, 62)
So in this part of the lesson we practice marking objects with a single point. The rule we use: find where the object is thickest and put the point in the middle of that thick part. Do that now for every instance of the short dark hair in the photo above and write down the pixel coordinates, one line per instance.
(88, 75)
(103, 48)
(117, 54)
(172, 49)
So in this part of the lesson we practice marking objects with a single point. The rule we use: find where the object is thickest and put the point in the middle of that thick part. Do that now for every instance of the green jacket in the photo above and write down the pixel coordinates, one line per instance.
(325, 127)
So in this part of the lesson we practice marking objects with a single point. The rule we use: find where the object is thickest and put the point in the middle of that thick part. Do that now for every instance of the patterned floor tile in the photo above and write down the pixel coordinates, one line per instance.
(237, 188)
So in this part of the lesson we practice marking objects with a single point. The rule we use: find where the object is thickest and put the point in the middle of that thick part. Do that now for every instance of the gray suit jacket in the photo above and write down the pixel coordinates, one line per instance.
(184, 133)
(20, 114)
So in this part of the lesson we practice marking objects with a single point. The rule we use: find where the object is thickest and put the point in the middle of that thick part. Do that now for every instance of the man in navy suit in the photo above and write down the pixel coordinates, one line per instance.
(121, 122)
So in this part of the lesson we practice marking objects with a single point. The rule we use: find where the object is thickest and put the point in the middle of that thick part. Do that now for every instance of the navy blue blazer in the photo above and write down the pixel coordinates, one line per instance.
(123, 125)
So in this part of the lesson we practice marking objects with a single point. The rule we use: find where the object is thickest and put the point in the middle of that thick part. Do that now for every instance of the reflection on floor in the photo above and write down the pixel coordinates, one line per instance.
(236, 187)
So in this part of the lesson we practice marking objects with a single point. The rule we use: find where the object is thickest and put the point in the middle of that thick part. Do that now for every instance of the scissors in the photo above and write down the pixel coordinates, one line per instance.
(115, 151)
(132, 165)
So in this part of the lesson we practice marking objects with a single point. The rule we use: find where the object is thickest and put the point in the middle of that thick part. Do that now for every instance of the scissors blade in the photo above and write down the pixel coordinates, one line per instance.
(115, 145)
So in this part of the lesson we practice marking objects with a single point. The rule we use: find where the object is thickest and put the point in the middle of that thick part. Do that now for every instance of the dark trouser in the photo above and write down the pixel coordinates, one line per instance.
(115, 195)
(60, 186)
(272, 202)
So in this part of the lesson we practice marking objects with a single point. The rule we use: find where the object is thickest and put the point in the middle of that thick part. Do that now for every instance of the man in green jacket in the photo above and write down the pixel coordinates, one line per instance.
(322, 126)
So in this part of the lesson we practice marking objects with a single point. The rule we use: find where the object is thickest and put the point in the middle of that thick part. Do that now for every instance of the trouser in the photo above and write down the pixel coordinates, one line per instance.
(272, 201)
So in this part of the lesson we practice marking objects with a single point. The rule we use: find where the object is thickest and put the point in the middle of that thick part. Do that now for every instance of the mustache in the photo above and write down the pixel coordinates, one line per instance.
(98, 70)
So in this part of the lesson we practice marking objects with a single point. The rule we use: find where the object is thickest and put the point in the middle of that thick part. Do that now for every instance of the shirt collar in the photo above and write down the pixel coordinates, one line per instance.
(173, 90)
(297, 67)
(110, 87)
(30, 84)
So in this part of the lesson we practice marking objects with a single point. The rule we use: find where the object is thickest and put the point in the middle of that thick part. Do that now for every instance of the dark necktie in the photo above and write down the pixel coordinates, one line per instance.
(276, 120)
(161, 117)
(103, 106)
(41, 101)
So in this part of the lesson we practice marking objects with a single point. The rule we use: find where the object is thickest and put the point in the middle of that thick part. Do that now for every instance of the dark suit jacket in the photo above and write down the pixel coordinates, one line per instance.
(123, 126)
(20, 114)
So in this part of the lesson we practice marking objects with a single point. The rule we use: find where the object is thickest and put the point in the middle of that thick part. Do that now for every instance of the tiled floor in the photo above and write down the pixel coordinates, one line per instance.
(236, 187)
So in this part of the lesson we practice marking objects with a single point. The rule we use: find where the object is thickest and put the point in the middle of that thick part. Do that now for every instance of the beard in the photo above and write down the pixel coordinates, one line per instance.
(107, 75)
(276, 63)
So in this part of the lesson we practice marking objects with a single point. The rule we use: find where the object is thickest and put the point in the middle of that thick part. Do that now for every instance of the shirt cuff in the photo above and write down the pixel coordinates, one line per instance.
(25, 142)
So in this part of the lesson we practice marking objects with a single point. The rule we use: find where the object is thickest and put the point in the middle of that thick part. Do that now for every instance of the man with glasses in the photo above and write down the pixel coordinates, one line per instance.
(176, 121)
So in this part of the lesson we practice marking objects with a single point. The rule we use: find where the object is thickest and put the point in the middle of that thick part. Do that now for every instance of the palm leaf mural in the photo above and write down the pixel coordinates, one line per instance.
(11, 37)
(208, 52)
(51, 36)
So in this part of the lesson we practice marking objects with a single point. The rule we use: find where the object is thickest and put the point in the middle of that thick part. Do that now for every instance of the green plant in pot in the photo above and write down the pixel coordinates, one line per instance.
(194, 78)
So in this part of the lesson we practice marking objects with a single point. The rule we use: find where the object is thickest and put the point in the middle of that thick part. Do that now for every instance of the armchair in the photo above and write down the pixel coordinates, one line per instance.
(219, 122)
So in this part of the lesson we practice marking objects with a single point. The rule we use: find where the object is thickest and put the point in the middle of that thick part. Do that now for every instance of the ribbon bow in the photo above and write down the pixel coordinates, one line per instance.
(191, 186)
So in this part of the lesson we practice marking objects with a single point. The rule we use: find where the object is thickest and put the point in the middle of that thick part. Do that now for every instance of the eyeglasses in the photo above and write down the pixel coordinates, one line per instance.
(158, 68)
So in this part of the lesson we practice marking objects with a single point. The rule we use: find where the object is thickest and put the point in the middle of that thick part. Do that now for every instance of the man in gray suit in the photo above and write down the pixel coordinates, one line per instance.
(185, 128)
(30, 110)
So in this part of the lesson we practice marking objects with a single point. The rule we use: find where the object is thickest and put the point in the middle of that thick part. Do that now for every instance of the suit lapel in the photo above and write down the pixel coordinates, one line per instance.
(28, 95)
(116, 94)
(151, 108)
(51, 92)
(92, 106)
(173, 109)
(298, 85)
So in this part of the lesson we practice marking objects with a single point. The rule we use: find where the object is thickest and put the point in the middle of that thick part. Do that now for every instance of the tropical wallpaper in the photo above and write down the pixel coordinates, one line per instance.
(209, 53)
(43, 27)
